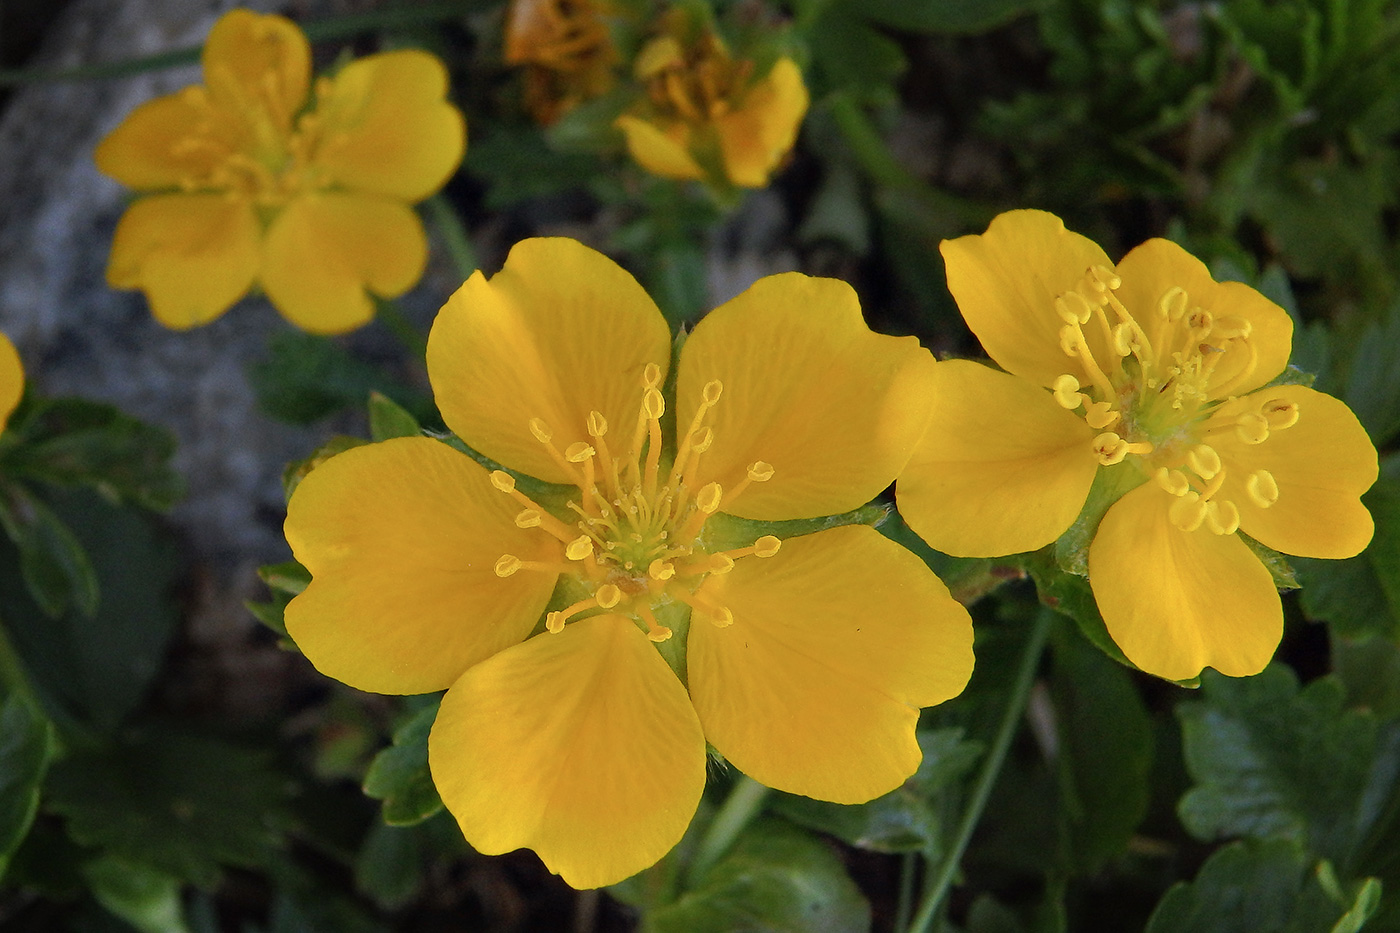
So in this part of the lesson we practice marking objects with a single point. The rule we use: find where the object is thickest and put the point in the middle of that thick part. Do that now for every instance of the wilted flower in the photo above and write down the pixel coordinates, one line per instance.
(596, 626)
(1151, 383)
(567, 51)
(254, 179)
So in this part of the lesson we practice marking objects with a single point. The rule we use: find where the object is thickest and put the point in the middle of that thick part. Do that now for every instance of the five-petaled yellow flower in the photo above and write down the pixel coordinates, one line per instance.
(581, 732)
(253, 179)
(11, 380)
(707, 115)
(1153, 380)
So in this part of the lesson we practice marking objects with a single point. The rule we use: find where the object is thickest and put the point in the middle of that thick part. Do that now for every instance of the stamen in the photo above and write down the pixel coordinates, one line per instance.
(578, 452)
(766, 546)
(760, 471)
(655, 630)
(661, 570)
(709, 395)
(1245, 372)
(1110, 447)
(1105, 276)
(507, 564)
(1125, 339)
(528, 518)
(579, 548)
(1280, 413)
(1252, 428)
(608, 596)
(545, 436)
(1073, 308)
(1066, 389)
(1262, 488)
(654, 406)
(1187, 512)
(506, 483)
(1204, 460)
(1222, 517)
(1173, 481)
(1100, 415)
(1172, 305)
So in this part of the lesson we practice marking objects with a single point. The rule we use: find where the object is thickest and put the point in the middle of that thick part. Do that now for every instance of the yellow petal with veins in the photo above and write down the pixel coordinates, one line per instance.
(258, 67)
(834, 407)
(193, 255)
(836, 642)
(1157, 266)
(326, 251)
(755, 137)
(1001, 469)
(1178, 601)
(11, 380)
(1321, 465)
(559, 332)
(1006, 281)
(387, 127)
(402, 540)
(167, 140)
(581, 745)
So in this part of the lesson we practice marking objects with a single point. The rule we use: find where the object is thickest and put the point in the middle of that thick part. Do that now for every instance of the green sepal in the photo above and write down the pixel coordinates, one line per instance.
(399, 774)
(1276, 563)
(285, 580)
(387, 418)
(725, 532)
(1110, 485)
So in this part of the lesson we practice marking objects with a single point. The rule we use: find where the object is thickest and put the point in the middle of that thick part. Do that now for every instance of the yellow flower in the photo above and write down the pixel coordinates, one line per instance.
(1152, 380)
(567, 50)
(707, 116)
(11, 380)
(582, 734)
(253, 179)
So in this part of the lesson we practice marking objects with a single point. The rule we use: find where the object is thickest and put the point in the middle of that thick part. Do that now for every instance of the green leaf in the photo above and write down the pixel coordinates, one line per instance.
(776, 879)
(399, 774)
(145, 897)
(56, 569)
(1270, 760)
(849, 54)
(180, 803)
(1370, 669)
(387, 418)
(1105, 751)
(307, 377)
(27, 743)
(1070, 594)
(99, 667)
(907, 819)
(389, 868)
(1373, 384)
(285, 580)
(1263, 886)
(74, 441)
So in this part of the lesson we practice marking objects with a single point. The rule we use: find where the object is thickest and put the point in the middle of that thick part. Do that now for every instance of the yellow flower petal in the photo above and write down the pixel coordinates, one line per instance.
(1001, 469)
(1006, 282)
(387, 126)
(258, 67)
(755, 137)
(1321, 465)
(166, 141)
(807, 387)
(660, 152)
(193, 255)
(11, 380)
(402, 540)
(326, 250)
(582, 746)
(1178, 601)
(837, 641)
(1156, 266)
(560, 331)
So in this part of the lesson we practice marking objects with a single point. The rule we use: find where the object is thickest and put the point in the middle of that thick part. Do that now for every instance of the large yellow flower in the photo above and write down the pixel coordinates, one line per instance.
(254, 179)
(707, 116)
(11, 380)
(1152, 380)
(581, 732)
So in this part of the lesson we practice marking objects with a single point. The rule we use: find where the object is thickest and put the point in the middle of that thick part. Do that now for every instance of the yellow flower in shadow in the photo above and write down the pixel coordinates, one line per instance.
(1153, 381)
(592, 626)
(257, 178)
(567, 51)
(11, 380)
(708, 116)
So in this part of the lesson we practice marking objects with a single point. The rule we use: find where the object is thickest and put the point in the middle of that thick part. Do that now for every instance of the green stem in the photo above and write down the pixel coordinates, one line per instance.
(737, 811)
(334, 28)
(454, 234)
(409, 336)
(908, 872)
(1010, 719)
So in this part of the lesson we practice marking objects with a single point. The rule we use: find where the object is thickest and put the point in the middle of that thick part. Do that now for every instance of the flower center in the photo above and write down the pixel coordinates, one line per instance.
(695, 85)
(634, 536)
(1160, 399)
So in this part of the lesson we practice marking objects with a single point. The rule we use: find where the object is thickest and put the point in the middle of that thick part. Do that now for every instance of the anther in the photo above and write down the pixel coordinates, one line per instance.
(1066, 390)
(1222, 517)
(1232, 327)
(579, 548)
(507, 564)
(760, 471)
(1204, 460)
(1124, 339)
(703, 440)
(540, 430)
(720, 617)
(554, 622)
(1172, 305)
(597, 424)
(608, 596)
(1173, 481)
(1073, 309)
(653, 403)
(503, 481)
(1070, 339)
(1201, 321)
(1100, 415)
(1262, 488)
(1110, 447)
(529, 518)
(708, 498)
(578, 451)
(1252, 428)
(651, 376)
(1106, 277)
(661, 570)
(1280, 413)
(766, 546)
(711, 392)
(1187, 512)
